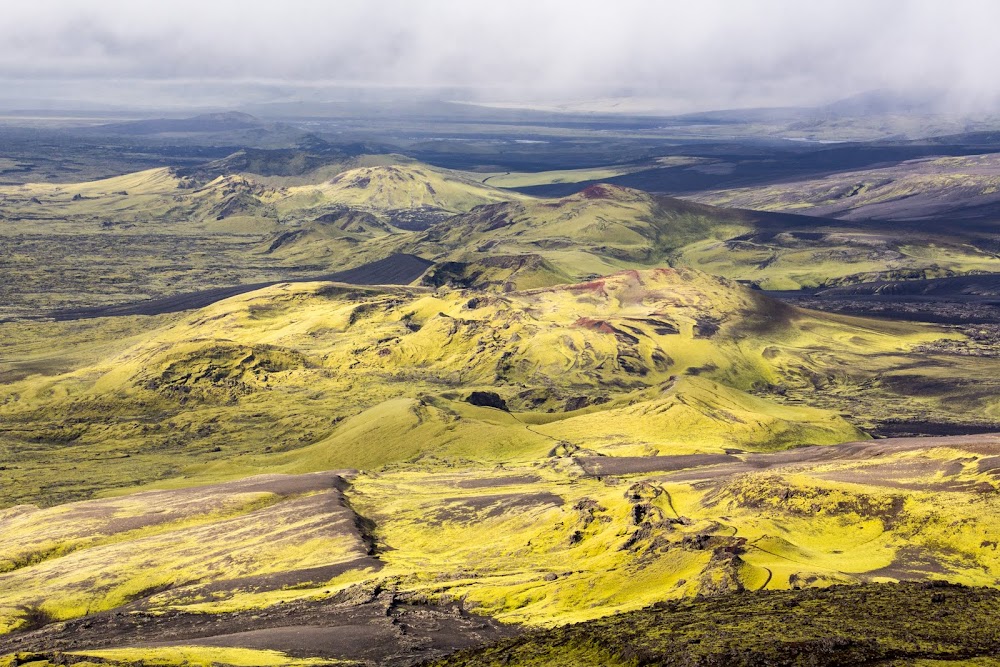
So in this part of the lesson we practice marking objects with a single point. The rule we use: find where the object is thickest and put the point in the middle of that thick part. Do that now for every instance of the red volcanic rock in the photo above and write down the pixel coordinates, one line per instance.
(600, 191)
(590, 286)
(595, 325)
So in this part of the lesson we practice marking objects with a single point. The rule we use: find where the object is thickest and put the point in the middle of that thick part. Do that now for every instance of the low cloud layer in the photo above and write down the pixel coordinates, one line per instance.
(689, 55)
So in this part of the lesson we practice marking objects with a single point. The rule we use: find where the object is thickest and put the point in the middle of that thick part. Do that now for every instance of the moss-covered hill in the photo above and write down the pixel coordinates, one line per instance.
(528, 433)
(379, 185)
(560, 539)
(156, 233)
(326, 375)
(103, 242)
(544, 456)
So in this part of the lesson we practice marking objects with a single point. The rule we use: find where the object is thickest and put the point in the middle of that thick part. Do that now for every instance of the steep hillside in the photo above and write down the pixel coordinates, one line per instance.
(953, 187)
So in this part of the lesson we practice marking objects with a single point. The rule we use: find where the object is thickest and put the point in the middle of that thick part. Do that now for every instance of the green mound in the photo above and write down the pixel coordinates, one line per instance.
(606, 228)
(400, 187)
(667, 361)
(598, 231)
(246, 228)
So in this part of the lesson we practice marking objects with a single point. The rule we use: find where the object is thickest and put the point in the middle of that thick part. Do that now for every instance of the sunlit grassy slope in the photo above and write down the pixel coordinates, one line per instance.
(545, 546)
(670, 354)
(156, 233)
(606, 228)
(549, 511)
(247, 229)
(559, 539)
(312, 376)
(262, 531)
(554, 448)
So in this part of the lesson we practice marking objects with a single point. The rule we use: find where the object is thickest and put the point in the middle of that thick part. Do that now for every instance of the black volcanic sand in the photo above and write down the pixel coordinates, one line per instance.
(363, 623)
(973, 299)
(719, 466)
(398, 269)
(379, 631)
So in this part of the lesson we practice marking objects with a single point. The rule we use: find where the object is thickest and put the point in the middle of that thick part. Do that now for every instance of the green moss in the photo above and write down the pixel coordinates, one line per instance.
(203, 656)
(844, 625)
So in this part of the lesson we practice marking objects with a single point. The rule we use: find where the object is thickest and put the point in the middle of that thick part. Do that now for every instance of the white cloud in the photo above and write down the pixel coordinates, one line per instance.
(709, 53)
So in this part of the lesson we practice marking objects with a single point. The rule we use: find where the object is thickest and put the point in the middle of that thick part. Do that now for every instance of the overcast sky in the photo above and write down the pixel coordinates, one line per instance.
(691, 54)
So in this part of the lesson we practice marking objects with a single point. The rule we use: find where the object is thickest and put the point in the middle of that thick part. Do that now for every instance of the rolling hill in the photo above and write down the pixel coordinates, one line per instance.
(159, 233)
(548, 426)
(250, 229)
(607, 228)
(297, 366)
(304, 565)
